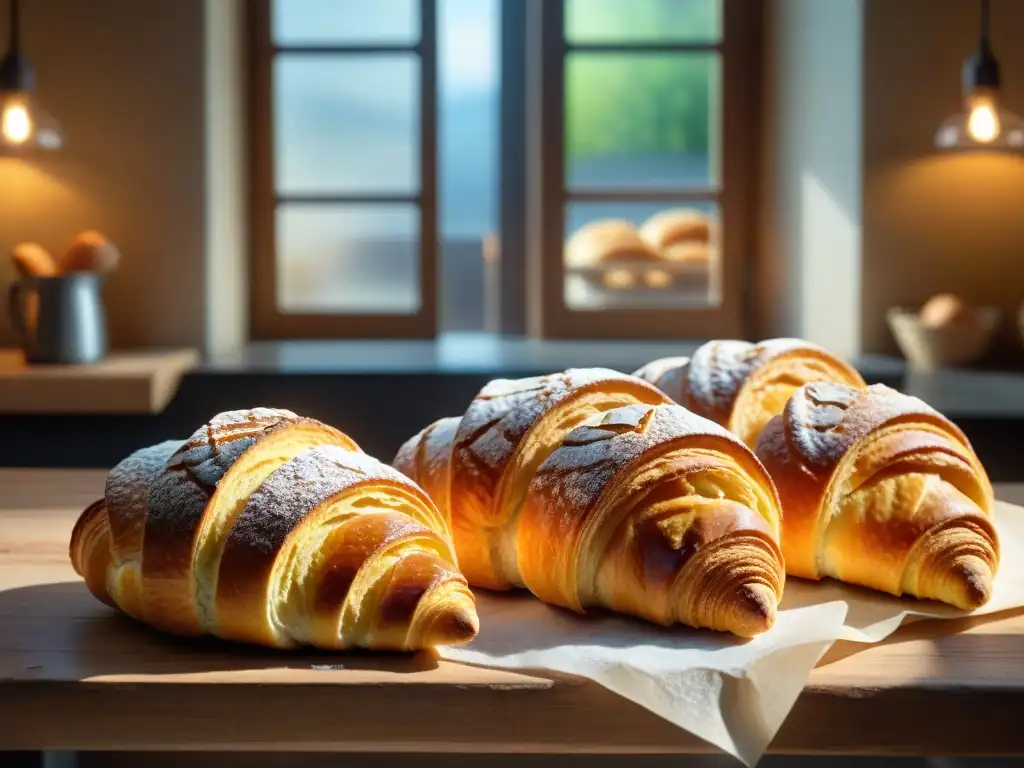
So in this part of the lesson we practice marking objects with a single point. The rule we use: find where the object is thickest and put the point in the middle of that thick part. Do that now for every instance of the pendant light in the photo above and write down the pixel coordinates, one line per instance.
(24, 124)
(983, 124)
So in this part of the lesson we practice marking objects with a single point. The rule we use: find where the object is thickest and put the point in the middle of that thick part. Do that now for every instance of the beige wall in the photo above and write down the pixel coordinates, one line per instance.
(934, 223)
(148, 93)
(126, 80)
(809, 270)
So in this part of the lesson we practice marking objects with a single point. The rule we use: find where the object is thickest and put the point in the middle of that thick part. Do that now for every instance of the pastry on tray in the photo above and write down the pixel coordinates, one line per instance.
(268, 528)
(611, 255)
(607, 240)
(878, 489)
(591, 489)
(742, 385)
(682, 235)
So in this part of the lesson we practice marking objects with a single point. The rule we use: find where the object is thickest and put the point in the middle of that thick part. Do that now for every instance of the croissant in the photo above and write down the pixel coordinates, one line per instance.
(880, 490)
(591, 489)
(742, 385)
(268, 528)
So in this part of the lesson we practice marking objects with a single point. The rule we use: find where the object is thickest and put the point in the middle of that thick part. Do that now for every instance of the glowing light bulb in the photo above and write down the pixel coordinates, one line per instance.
(983, 121)
(16, 123)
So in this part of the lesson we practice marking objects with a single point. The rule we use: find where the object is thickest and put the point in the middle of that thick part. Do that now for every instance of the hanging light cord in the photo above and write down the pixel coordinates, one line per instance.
(15, 25)
(984, 24)
(15, 18)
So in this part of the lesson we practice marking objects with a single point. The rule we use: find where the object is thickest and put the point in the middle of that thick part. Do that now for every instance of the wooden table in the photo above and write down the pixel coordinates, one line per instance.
(75, 676)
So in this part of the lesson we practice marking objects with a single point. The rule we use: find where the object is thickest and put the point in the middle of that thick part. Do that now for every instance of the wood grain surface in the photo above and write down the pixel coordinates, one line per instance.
(122, 383)
(76, 675)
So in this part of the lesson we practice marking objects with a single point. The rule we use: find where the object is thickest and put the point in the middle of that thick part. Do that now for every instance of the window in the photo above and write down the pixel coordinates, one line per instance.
(644, 166)
(345, 199)
(634, 140)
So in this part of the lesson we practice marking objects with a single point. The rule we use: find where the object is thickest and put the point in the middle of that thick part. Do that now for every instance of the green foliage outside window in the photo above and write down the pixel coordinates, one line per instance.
(640, 103)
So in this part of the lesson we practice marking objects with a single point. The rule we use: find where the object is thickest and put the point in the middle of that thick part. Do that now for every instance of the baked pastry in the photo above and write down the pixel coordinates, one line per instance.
(880, 490)
(742, 385)
(90, 251)
(679, 234)
(589, 488)
(607, 240)
(272, 529)
(945, 309)
(32, 260)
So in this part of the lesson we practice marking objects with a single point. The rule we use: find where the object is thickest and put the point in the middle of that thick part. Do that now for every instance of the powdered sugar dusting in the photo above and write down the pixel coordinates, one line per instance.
(719, 369)
(668, 374)
(214, 447)
(824, 419)
(425, 457)
(500, 417)
(127, 494)
(577, 472)
(180, 493)
(298, 487)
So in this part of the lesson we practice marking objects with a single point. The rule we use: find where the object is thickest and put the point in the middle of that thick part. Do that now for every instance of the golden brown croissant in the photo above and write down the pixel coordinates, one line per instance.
(742, 385)
(269, 528)
(590, 488)
(878, 489)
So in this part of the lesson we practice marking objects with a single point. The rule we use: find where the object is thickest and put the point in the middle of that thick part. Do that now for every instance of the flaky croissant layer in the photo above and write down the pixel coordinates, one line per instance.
(590, 489)
(272, 529)
(741, 385)
(880, 490)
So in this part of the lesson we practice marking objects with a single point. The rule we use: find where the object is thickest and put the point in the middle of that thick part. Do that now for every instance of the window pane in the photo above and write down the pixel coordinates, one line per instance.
(469, 91)
(348, 259)
(641, 120)
(641, 255)
(626, 21)
(346, 124)
(345, 22)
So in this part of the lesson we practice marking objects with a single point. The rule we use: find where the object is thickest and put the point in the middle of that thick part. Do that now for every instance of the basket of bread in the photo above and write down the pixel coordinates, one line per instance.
(946, 331)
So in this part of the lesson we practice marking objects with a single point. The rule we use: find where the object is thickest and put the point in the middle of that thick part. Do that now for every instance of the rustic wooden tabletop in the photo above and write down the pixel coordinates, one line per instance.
(74, 675)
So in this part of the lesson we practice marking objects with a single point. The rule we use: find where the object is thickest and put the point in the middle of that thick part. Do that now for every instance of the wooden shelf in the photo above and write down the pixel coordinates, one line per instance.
(76, 675)
(135, 382)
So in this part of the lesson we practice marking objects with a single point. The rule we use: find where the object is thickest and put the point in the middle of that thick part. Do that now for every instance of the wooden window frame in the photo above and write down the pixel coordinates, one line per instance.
(267, 321)
(547, 313)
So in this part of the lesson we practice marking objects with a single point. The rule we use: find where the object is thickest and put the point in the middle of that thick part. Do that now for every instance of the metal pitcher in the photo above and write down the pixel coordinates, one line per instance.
(60, 319)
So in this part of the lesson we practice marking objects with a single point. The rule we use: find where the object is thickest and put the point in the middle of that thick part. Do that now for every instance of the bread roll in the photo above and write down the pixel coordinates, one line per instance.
(945, 309)
(677, 226)
(90, 251)
(607, 241)
(32, 260)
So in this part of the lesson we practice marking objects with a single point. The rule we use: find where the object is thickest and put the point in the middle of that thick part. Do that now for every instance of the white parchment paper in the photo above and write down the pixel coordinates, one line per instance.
(873, 616)
(730, 692)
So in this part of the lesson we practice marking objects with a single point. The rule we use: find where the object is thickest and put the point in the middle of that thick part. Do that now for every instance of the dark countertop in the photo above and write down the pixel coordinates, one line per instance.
(467, 353)
(956, 392)
(382, 392)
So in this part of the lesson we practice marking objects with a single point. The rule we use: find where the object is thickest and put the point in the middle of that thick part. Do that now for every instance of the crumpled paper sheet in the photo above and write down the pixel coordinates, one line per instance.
(873, 616)
(732, 693)
(678, 673)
